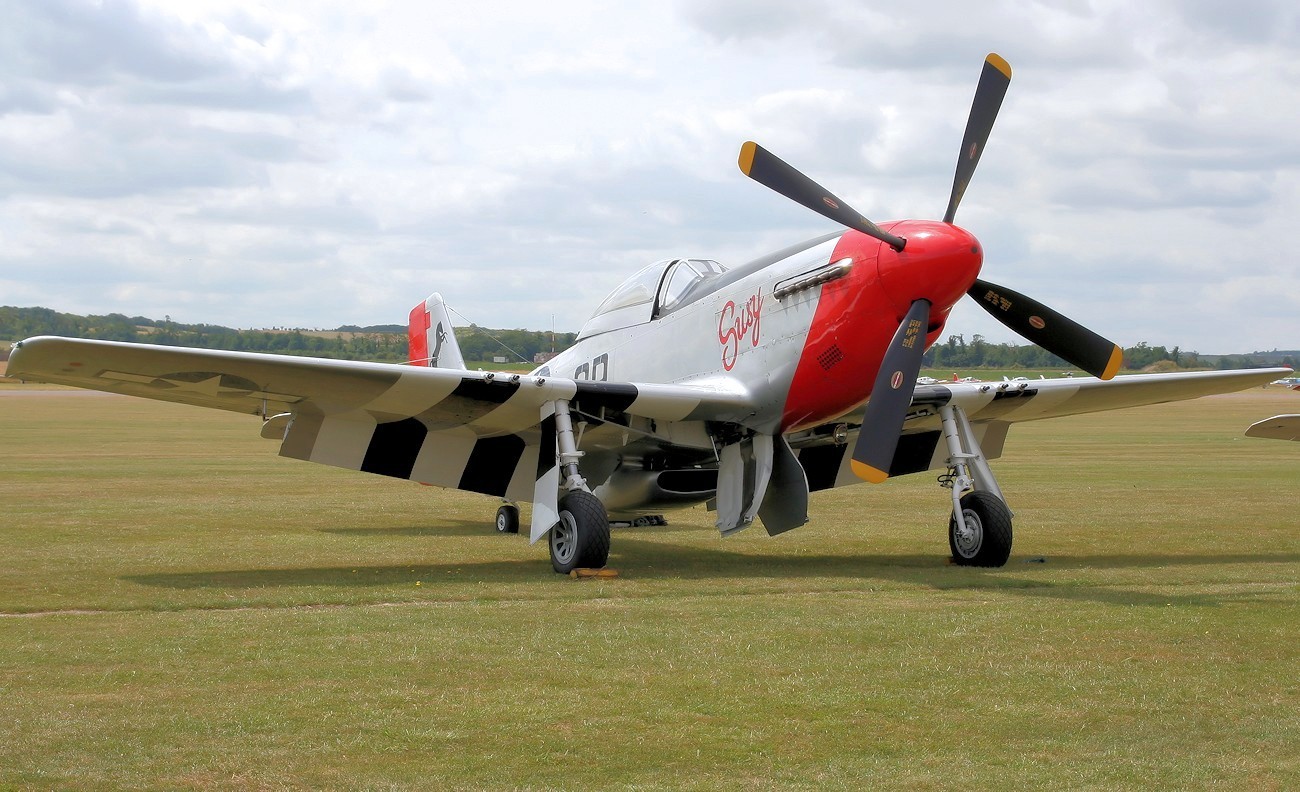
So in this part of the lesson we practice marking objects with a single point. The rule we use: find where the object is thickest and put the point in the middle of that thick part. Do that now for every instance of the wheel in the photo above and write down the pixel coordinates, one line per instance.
(986, 542)
(581, 537)
(508, 519)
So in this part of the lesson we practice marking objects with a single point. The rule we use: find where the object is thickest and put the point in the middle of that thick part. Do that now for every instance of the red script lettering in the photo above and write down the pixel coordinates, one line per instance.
(736, 323)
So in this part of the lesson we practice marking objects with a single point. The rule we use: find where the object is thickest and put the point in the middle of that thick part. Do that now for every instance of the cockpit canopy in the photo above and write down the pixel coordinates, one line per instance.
(653, 292)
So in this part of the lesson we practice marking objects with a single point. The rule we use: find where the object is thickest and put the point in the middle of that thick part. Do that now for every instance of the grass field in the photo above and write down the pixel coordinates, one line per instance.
(182, 609)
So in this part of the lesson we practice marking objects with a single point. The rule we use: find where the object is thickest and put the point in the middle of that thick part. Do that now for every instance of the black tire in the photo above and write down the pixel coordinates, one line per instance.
(987, 540)
(580, 540)
(508, 519)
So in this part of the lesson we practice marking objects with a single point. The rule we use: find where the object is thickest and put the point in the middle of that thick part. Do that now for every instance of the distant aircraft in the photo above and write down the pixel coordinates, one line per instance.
(743, 388)
(1279, 427)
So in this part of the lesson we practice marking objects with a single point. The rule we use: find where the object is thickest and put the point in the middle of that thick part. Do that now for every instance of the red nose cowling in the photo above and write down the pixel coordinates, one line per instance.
(857, 315)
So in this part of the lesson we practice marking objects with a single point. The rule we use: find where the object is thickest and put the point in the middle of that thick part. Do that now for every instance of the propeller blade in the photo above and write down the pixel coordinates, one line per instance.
(983, 112)
(1050, 330)
(891, 397)
(775, 173)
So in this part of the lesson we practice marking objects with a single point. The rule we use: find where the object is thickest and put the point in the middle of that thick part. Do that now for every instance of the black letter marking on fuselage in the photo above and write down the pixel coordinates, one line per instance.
(589, 371)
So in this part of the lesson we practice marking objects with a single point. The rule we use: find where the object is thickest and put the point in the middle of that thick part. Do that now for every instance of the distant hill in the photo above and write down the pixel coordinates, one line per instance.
(1278, 357)
(388, 343)
(350, 342)
(388, 328)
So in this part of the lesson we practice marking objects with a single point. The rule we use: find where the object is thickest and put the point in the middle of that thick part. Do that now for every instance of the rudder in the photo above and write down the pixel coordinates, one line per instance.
(432, 338)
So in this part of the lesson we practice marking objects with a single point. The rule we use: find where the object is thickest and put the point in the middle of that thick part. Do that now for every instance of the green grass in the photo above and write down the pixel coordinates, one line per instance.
(180, 608)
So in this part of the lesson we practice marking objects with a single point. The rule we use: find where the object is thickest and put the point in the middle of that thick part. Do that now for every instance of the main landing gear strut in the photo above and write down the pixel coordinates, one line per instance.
(581, 537)
(979, 530)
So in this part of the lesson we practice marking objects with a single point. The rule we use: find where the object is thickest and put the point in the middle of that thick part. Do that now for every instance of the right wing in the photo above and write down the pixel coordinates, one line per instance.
(472, 430)
(1279, 427)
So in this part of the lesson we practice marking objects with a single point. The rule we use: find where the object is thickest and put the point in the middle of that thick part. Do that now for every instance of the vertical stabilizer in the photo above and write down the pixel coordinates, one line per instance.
(432, 339)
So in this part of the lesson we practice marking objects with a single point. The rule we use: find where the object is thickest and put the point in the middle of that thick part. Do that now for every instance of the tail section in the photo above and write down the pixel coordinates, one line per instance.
(432, 339)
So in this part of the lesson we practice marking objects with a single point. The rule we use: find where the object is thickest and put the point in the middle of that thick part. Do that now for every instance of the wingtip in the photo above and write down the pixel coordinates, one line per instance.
(868, 473)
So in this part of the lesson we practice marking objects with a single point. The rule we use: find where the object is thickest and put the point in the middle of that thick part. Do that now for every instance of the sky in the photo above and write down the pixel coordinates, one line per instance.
(314, 164)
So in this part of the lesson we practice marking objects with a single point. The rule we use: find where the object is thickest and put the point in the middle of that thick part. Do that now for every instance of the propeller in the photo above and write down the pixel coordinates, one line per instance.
(993, 83)
(891, 395)
(1050, 330)
(778, 175)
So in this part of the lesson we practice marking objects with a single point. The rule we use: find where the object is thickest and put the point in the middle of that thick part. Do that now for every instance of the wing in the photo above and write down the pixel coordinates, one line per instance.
(1279, 427)
(1032, 400)
(478, 431)
(993, 407)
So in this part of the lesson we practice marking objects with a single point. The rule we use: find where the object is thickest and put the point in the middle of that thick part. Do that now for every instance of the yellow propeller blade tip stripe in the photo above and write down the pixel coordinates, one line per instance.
(996, 61)
(1112, 365)
(746, 161)
(867, 472)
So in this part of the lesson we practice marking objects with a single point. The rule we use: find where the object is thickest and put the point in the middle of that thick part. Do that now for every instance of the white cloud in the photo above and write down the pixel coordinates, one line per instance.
(320, 163)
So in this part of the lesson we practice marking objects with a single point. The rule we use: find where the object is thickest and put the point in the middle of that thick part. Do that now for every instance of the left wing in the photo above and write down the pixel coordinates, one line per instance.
(993, 406)
(471, 430)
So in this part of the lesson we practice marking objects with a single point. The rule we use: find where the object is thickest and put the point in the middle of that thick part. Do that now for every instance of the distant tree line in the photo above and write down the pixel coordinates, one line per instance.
(385, 343)
(958, 353)
(388, 343)
(477, 343)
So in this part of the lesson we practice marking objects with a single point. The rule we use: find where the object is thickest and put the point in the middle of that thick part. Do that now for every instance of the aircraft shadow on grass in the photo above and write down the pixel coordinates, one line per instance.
(442, 528)
(655, 561)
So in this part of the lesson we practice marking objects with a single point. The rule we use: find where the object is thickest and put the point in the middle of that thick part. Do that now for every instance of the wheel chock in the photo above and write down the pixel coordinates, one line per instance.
(593, 573)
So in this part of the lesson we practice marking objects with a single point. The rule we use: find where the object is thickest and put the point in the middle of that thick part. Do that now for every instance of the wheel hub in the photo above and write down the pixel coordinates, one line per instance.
(969, 538)
(564, 538)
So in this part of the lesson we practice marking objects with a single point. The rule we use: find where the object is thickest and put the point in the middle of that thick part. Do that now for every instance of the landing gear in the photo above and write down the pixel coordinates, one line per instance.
(581, 538)
(983, 537)
(508, 519)
(979, 530)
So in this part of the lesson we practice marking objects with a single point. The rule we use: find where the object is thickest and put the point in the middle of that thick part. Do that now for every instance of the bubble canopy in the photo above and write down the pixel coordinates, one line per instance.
(652, 292)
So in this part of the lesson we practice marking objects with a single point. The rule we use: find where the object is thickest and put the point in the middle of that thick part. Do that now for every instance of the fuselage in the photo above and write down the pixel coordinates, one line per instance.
(803, 330)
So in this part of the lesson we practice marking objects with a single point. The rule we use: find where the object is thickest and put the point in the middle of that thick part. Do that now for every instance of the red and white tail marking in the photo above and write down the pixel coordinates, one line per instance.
(432, 339)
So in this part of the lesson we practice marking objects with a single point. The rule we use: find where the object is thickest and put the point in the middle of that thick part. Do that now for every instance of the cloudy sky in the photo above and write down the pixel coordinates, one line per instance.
(311, 164)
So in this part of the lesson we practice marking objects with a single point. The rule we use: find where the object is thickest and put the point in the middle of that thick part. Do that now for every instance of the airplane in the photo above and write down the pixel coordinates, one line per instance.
(745, 388)
(1279, 427)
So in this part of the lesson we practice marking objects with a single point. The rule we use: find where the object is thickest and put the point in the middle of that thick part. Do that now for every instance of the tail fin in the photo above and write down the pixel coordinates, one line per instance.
(432, 339)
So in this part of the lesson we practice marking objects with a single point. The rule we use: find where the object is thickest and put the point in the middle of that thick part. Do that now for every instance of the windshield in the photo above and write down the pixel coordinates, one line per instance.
(653, 291)
(687, 278)
(640, 288)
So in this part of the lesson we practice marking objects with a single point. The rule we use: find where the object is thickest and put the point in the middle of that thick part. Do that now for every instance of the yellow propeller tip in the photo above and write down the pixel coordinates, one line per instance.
(746, 160)
(867, 472)
(1112, 365)
(996, 61)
